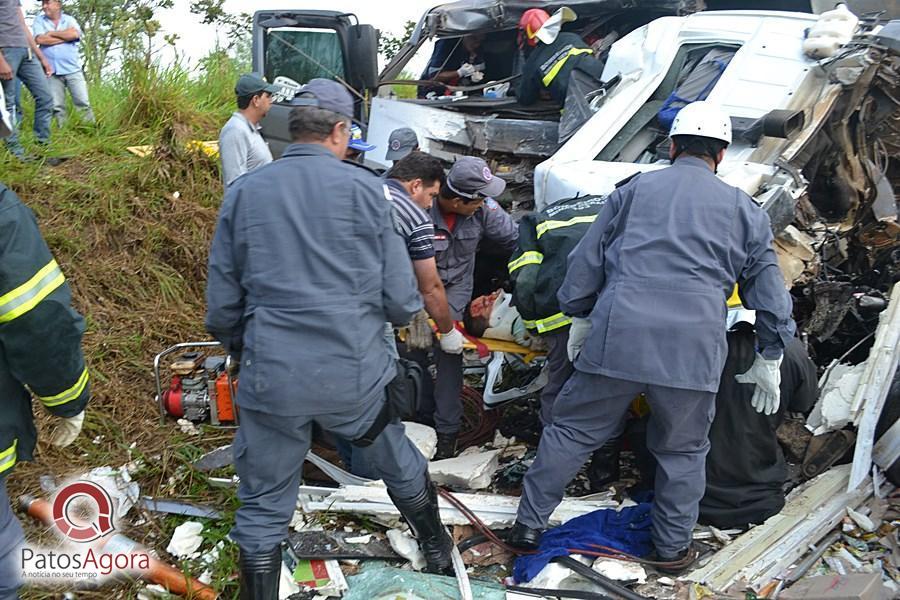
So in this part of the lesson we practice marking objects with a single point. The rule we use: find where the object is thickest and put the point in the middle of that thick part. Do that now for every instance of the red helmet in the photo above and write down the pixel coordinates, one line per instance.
(532, 20)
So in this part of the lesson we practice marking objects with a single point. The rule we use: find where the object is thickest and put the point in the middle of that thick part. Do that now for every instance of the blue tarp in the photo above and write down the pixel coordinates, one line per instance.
(627, 530)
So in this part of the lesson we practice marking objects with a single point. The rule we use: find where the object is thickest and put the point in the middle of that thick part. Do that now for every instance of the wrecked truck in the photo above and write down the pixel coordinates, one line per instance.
(815, 144)
(303, 44)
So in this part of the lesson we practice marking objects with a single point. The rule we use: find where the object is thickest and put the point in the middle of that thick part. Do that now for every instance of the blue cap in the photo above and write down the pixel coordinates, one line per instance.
(357, 142)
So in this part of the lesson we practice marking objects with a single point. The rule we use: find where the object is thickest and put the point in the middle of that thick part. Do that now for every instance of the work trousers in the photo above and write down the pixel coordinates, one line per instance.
(11, 540)
(77, 86)
(589, 411)
(268, 455)
(559, 369)
(448, 408)
(26, 67)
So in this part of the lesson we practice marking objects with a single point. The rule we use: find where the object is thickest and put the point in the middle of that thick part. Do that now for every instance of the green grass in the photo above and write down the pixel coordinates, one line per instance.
(135, 255)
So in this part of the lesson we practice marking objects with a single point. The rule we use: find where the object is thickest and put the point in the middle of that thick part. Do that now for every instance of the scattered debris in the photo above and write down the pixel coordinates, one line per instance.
(186, 540)
(187, 427)
(175, 507)
(493, 509)
(387, 583)
(423, 436)
(468, 471)
(620, 570)
(407, 547)
(323, 576)
(832, 411)
(857, 586)
(215, 459)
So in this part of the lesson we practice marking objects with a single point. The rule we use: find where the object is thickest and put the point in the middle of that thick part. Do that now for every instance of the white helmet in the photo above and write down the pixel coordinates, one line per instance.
(704, 119)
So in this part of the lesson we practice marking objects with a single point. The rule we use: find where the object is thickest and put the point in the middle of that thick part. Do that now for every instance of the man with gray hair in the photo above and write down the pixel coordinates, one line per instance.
(305, 245)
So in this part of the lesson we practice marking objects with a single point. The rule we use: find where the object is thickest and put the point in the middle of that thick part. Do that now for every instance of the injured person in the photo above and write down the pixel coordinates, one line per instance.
(493, 316)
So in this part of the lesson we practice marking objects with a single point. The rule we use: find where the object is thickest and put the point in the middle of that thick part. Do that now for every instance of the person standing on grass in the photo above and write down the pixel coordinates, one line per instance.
(241, 145)
(21, 57)
(58, 35)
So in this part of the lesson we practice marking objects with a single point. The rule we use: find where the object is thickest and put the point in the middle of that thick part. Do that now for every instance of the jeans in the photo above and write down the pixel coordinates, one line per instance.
(28, 69)
(77, 87)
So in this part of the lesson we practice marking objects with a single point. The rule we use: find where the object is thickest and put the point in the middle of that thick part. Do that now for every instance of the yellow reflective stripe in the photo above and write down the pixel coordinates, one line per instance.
(546, 226)
(68, 395)
(529, 324)
(8, 457)
(528, 258)
(25, 297)
(552, 322)
(735, 300)
(554, 70)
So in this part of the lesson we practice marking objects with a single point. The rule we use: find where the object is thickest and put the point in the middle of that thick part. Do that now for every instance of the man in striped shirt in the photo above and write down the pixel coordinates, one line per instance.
(413, 183)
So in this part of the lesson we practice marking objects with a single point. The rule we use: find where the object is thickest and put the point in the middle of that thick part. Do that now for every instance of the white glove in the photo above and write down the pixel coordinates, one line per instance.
(766, 375)
(466, 70)
(578, 333)
(67, 430)
(477, 76)
(452, 341)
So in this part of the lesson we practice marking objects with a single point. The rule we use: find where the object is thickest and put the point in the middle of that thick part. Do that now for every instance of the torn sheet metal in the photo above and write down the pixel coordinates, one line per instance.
(495, 510)
(767, 551)
(176, 507)
(338, 545)
(874, 386)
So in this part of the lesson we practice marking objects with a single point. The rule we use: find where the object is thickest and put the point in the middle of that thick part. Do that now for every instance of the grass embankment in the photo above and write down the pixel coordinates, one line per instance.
(132, 236)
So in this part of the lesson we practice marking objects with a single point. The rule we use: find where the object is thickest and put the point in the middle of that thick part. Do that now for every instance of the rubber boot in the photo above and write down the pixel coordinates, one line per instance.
(260, 575)
(421, 513)
(604, 466)
(446, 446)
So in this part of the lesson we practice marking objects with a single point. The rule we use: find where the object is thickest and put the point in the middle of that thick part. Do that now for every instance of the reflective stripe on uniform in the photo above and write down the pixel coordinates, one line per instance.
(554, 70)
(8, 457)
(546, 226)
(68, 395)
(552, 322)
(528, 258)
(25, 297)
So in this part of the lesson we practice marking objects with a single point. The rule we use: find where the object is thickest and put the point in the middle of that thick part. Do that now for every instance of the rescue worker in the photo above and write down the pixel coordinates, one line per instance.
(455, 61)
(646, 289)
(40, 356)
(551, 61)
(401, 142)
(304, 246)
(465, 214)
(357, 146)
(537, 269)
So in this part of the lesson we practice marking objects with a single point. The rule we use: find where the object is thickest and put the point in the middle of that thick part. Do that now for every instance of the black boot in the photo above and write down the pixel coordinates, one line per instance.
(421, 513)
(524, 537)
(260, 574)
(673, 565)
(604, 466)
(446, 446)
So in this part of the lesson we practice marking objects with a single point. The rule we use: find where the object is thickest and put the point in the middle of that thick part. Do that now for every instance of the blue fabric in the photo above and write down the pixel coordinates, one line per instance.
(63, 57)
(627, 530)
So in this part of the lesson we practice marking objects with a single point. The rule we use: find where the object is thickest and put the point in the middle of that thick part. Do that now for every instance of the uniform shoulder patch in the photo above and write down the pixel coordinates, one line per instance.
(628, 179)
(368, 170)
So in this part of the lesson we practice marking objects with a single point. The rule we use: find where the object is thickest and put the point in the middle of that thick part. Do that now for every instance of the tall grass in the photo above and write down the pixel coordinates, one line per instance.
(132, 236)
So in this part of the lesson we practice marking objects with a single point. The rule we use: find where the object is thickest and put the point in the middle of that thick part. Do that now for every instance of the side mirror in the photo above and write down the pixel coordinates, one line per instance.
(363, 49)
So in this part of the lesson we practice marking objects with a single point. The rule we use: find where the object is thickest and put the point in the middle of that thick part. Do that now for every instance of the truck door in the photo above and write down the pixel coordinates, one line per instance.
(303, 45)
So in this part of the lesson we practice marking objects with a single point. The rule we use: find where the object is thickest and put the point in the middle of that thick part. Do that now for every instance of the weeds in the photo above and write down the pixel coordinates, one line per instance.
(135, 254)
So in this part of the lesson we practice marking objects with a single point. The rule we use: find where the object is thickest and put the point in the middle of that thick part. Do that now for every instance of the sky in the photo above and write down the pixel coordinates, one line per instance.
(195, 40)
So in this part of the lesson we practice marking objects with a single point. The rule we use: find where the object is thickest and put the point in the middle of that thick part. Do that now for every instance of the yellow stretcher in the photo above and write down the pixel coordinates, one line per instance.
(502, 352)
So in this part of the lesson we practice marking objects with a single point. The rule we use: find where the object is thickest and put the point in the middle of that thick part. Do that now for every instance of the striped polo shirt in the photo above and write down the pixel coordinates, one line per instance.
(411, 222)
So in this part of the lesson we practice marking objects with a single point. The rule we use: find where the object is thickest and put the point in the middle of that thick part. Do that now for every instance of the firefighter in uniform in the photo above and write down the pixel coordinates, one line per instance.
(550, 62)
(537, 269)
(40, 356)
(464, 215)
(304, 270)
(646, 289)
